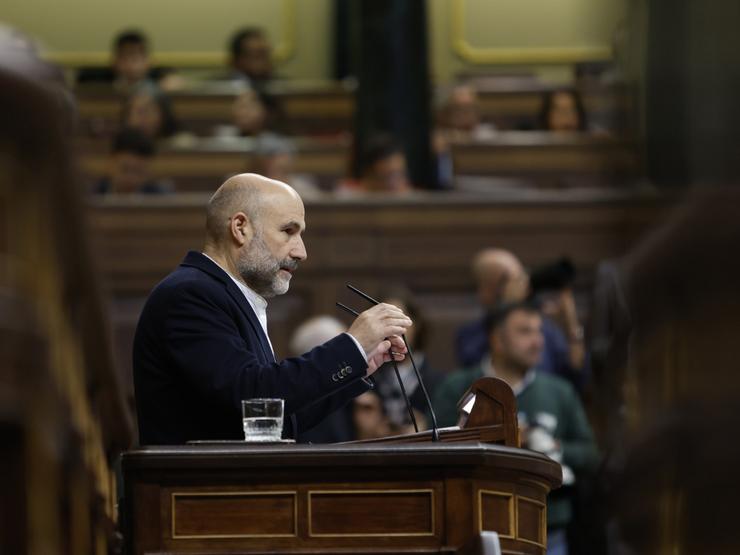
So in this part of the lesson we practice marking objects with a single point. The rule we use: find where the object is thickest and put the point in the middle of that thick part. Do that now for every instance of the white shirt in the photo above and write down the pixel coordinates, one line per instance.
(259, 305)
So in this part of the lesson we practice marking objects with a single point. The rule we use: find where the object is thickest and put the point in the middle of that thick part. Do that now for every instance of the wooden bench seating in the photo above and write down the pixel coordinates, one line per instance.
(205, 165)
(329, 108)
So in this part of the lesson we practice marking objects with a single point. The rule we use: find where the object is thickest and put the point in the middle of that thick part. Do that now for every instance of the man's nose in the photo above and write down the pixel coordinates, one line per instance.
(298, 252)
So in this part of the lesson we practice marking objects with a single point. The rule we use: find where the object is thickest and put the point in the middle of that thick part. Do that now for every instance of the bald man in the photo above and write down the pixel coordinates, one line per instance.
(201, 345)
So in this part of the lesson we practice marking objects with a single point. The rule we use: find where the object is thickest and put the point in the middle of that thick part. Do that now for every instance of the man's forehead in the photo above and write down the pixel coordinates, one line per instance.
(522, 316)
(286, 209)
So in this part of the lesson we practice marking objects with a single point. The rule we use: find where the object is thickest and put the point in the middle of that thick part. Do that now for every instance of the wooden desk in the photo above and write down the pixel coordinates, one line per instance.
(532, 155)
(322, 110)
(329, 108)
(517, 104)
(537, 154)
(424, 498)
(207, 164)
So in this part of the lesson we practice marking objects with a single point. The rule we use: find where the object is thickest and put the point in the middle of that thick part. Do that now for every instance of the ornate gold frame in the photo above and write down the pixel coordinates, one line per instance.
(499, 55)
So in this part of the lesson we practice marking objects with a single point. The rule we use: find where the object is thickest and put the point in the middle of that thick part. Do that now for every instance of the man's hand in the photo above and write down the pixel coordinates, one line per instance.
(382, 353)
(377, 323)
(378, 330)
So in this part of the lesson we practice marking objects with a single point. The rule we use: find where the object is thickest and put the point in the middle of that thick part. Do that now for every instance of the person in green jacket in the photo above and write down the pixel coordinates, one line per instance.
(551, 417)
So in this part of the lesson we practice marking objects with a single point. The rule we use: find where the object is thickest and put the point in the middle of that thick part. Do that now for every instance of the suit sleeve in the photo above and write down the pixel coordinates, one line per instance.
(207, 350)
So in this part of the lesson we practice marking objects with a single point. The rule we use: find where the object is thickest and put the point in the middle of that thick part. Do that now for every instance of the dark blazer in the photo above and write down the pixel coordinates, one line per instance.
(199, 350)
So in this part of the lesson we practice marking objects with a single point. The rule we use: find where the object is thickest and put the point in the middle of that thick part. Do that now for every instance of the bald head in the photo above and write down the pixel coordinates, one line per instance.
(254, 232)
(500, 276)
(248, 193)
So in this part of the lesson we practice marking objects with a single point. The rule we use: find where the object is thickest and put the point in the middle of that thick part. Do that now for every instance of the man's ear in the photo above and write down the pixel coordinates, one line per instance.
(241, 229)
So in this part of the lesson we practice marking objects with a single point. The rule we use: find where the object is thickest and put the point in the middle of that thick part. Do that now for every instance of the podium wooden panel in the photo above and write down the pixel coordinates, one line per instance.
(359, 498)
(400, 494)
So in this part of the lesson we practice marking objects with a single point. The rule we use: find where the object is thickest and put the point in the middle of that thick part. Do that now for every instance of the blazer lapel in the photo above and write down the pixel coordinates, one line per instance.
(247, 309)
(202, 262)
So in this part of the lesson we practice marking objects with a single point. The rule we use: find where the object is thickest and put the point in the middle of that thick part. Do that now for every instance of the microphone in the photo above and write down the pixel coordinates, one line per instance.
(435, 430)
(395, 369)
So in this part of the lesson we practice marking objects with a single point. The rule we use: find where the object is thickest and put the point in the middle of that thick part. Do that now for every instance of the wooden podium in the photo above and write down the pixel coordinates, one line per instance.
(393, 496)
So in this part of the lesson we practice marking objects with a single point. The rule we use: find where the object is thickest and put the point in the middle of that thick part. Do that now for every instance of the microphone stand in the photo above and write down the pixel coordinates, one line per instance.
(435, 430)
(395, 369)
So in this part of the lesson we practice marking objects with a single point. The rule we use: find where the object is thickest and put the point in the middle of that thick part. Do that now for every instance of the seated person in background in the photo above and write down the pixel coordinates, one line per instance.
(128, 168)
(501, 278)
(562, 111)
(149, 110)
(338, 426)
(551, 418)
(369, 418)
(274, 157)
(381, 168)
(386, 382)
(130, 65)
(458, 119)
(251, 57)
(249, 114)
(459, 116)
(251, 65)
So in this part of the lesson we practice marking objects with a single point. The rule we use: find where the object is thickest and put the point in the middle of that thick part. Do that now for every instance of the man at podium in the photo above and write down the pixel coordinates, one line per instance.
(201, 344)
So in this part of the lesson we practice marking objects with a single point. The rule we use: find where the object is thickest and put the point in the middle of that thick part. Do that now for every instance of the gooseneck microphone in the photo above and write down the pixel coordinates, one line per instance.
(435, 431)
(395, 369)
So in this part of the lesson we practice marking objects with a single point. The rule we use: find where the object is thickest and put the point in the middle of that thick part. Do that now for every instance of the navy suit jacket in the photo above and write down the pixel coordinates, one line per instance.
(199, 349)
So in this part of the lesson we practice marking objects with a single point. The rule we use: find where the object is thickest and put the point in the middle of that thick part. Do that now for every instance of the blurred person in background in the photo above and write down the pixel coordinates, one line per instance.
(458, 119)
(130, 65)
(274, 157)
(251, 56)
(149, 110)
(368, 417)
(249, 113)
(501, 278)
(562, 111)
(381, 168)
(338, 426)
(386, 381)
(551, 418)
(129, 166)
(252, 67)
(459, 115)
(552, 289)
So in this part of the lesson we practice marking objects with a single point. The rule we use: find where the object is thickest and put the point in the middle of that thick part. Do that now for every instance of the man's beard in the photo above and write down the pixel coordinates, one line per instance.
(261, 271)
(524, 361)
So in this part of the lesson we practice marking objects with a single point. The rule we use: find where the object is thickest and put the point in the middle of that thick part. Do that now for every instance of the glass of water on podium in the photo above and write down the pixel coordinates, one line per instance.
(262, 419)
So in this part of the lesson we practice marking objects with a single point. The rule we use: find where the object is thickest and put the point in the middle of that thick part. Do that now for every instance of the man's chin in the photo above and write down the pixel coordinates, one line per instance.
(280, 286)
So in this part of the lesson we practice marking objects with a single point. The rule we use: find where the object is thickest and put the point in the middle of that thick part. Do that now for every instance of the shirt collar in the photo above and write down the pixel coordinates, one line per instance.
(488, 370)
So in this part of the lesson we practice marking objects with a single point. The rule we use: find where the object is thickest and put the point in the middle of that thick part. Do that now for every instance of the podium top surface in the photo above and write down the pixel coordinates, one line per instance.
(241, 455)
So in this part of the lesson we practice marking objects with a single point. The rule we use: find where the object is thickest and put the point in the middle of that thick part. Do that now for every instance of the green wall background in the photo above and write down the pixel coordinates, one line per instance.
(545, 35)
